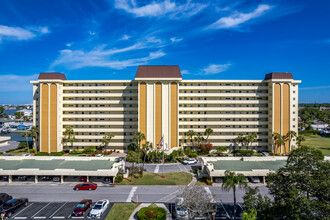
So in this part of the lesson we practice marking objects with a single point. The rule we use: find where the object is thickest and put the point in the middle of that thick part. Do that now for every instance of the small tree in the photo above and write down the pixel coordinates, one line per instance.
(231, 181)
(18, 115)
(250, 139)
(300, 138)
(241, 139)
(208, 132)
(278, 141)
(106, 140)
(145, 148)
(138, 137)
(191, 134)
(132, 157)
(70, 135)
(34, 133)
(196, 201)
(26, 135)
(199, 139)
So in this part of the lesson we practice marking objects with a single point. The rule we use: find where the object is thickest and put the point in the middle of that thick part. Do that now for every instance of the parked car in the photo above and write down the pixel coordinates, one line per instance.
(5, 178)
(254, 179)
(56, 179)
(100, 155)
(26, 155)
(99, 208)
(4, 197)
(189, 161)
(107, 180)
(22, 178)
(86, 186)
(82, 179)
(12, 205)
(180, 213)
(46, 178)
(82, 207)
(265, 154)
(218, 180)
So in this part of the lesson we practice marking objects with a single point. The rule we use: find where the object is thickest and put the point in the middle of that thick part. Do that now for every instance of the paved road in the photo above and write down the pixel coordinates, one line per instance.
(9, 146)
(65, 193)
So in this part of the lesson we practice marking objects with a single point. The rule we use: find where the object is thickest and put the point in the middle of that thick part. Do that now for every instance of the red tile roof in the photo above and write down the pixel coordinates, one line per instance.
(60, 76)
(158, 72)
(278, 76)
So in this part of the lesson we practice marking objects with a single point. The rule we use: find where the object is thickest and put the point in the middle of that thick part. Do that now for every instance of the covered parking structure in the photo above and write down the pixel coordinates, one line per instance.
(215, 167)
(36, 168)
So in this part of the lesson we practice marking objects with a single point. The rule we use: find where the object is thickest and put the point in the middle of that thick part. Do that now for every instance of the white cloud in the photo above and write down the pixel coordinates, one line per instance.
(68, 44)
(17, 33)
(238, 18)
(102, 57)
(156, 9)
(14, 83)
(185, 72)
(125, 37)
(215, 68)
(175, 39)
(91, 33)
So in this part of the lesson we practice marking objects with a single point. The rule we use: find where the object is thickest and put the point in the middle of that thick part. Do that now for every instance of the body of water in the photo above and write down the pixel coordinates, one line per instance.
(16, 136)
(10, 112)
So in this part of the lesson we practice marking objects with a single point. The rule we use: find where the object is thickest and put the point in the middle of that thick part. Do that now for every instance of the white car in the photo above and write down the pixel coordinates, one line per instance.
(26, 155)
(180, 212)
(99, 208)
(189, 161)
(100, 155)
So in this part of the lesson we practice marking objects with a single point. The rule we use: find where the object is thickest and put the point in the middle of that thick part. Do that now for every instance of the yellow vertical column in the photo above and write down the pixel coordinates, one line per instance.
(158, 112)
(286, 116)
(44, 118)
(143, 109)
(53, 117)
(174, 115)
(277, 113)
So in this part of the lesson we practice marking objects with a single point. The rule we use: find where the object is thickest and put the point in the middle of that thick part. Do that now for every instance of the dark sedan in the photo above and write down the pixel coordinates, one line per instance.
(82, 207)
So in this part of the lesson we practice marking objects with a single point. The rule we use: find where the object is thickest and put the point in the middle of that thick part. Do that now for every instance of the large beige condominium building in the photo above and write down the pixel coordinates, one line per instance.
(160, 104)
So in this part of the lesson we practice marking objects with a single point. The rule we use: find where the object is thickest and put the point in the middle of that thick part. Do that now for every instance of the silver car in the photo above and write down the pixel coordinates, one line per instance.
(99, 208)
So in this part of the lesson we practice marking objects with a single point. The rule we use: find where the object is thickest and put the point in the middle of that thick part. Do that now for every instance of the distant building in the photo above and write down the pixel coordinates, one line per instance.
(5, 123)
(26, 112)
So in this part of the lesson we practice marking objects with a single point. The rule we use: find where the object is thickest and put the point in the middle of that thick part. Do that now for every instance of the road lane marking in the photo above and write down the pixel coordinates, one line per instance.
(171, 194)
(22, 210)
(61, 217)
(207, 189)
(156, 169)
(130, 196)
(39, 217)
(57, 210)
(40, 210)
(20, 218)
(179, 167)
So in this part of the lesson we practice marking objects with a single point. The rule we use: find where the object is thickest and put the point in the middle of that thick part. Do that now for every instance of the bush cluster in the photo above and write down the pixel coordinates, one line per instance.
(149, 213)
(118, 178)
(205, 148)
(243, 152)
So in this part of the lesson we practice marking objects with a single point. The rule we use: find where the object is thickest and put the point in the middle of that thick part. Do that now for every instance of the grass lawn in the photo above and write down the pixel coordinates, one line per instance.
(178, 178)
(318, 142)
(121, 211)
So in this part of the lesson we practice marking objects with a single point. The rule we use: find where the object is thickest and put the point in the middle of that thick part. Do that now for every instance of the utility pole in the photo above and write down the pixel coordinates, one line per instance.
(163, 160)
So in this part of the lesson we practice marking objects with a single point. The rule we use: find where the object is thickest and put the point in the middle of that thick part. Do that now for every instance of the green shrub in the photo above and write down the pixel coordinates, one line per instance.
(209, 182)
(41, 154)
(33, 150)
(77, 152)
(309, 132)
(192, 154)
(150, 213)
(118, 178)
(57, 153)
(90, 150)
(244, 152)
(222, 149)
(180, 159)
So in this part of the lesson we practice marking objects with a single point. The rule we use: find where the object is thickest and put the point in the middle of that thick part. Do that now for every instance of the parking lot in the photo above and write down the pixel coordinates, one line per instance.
(43, 210)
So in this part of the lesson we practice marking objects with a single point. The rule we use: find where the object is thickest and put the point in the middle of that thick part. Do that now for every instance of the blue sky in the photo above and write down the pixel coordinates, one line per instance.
(225, 39)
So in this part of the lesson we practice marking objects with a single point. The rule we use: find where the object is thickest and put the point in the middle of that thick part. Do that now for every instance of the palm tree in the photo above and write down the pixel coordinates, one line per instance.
(70, 135)
(34, 132)
(191, 134)
(138, 137)
(250, 139)
(289, 136)
(106, 139)
(230, 181)
(278, 141)
(300, 138)
(145, 148)
(26, 135)
(241, 139)
(208, 132)
(199, 139)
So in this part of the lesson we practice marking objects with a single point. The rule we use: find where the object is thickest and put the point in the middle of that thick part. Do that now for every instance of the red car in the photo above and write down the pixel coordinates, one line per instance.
(82, 179)
(82, 207)
(86, 186)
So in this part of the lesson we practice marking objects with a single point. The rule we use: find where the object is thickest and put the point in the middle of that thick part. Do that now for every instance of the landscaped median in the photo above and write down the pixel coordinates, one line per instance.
(177, 178)
(121, 211)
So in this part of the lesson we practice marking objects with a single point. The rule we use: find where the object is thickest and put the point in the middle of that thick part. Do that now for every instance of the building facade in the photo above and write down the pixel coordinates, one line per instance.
(160, 104)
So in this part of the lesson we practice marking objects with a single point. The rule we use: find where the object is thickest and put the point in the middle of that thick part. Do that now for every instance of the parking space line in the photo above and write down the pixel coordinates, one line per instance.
(179, 167)
(156, 169)
(130, 196)
(57, 211)
(20, 218)
(61, 217)
(22, 210)
(39, 217)
(40, 210)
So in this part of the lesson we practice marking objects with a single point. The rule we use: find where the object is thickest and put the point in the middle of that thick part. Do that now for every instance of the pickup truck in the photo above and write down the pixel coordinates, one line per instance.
(11, 206)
